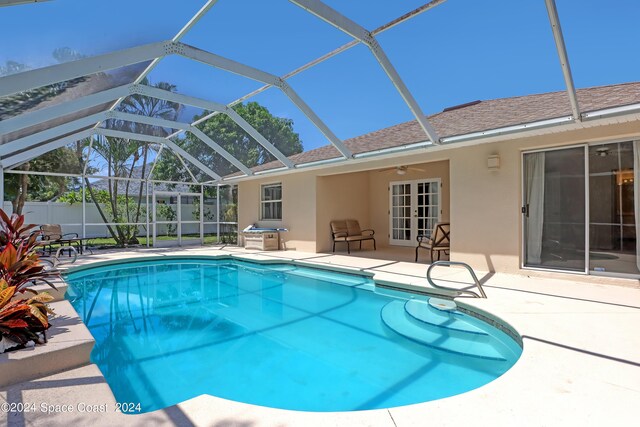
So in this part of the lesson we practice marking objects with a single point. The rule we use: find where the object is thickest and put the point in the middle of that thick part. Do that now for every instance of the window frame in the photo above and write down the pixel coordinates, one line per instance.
(263, 202)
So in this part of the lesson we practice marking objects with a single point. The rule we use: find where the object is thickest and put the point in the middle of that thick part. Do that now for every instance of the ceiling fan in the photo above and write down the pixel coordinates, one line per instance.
(401, 170)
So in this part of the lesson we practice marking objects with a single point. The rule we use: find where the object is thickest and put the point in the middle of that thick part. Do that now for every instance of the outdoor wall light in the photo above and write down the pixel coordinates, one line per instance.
(493, 162)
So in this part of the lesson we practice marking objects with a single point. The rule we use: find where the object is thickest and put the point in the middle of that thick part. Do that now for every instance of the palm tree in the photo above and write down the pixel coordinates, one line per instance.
(122, 156)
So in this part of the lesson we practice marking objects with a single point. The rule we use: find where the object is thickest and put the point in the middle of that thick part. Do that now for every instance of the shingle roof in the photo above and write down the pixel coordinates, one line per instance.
(477, 117)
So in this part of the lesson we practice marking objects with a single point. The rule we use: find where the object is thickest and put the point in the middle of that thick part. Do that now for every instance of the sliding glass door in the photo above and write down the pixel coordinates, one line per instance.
(580, 208)
(554, 209)
(612, 208)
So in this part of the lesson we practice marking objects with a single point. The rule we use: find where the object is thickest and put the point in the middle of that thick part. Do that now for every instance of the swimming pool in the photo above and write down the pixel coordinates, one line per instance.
(276, 335)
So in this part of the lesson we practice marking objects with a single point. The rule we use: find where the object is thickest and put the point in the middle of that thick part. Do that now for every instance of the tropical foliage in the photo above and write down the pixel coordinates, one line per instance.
(21, 319)
(128, 158)
(226, 133)
(20, 188)
(230, 214)
(24, 101)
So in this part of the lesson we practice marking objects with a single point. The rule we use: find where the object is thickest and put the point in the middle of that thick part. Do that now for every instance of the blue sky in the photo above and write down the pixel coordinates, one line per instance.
(458, 52)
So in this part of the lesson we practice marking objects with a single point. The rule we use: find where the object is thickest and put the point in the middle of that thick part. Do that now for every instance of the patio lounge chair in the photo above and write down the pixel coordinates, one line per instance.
(439, 241)
(348, 231)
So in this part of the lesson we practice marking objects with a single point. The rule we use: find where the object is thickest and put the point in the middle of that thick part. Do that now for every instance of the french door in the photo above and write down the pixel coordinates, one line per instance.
(580, 208)
(414, 208)
(177, 219)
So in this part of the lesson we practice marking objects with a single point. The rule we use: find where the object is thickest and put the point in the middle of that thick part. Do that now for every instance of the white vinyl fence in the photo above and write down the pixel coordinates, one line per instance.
(69, 216)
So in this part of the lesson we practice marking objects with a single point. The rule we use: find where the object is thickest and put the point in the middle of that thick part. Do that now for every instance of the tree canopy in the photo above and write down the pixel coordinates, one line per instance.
(122, 157)
(224, 131)
(20, 188)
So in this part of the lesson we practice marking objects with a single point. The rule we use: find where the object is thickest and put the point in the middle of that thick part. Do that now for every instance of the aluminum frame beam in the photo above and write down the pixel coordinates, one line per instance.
(153, 121)
(154, 92)
(158, 140)
(31, 140)
(346, 25)
(27, 119)
(19, 2)
(184, 165)
(44, 114)
(32, 79)
(170, 47)
(409, 15)
(183, 31)
(34, 152)
(194, 20)
(313, 117)
(258, 137)
(554, 20)
(264, 77)
(155, 161)
(215, 106)
(218, 149)
(56, 73)
(225, 64)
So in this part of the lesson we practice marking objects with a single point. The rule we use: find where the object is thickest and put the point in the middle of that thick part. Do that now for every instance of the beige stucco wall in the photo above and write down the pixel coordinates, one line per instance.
(379, 195)
(364, 196)
(298, 208)
(343, 196)
(483, 205)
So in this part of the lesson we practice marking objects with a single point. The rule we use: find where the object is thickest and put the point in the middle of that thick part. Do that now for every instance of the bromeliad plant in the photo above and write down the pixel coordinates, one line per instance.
(22, 319)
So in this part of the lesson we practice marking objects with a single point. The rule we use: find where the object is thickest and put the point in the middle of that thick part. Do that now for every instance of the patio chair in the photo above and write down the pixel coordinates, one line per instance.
(438, 242)
(52, 235)
(348, 231)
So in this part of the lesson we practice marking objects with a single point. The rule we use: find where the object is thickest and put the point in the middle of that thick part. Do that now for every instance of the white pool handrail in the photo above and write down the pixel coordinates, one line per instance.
(462, 291)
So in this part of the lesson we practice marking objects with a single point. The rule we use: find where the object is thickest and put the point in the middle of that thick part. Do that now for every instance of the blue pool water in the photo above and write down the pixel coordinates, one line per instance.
(277, 335)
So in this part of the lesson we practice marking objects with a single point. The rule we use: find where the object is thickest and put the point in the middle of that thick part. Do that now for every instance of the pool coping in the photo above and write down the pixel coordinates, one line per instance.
(553, 374)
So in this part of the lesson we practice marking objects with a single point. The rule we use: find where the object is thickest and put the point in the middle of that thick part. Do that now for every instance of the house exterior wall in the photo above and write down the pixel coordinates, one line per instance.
(486, 220)
(298, 208)
(483, 206)
(343, 196)
(379, 194)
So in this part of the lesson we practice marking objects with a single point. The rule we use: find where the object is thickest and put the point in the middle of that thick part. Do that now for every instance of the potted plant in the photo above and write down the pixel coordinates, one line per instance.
(24, 313)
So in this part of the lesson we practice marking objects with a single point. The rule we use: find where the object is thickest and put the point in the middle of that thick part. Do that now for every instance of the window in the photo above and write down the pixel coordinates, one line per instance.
(271, 202)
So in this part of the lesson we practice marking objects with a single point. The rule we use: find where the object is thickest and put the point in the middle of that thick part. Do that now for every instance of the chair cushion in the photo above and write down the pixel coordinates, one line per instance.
(339, 226)
(441, 235)
(358, 238)
(51, 230)
(353, 228)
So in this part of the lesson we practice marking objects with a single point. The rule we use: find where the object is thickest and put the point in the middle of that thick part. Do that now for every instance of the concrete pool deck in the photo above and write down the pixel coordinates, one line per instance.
(580, 364)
